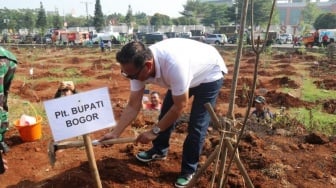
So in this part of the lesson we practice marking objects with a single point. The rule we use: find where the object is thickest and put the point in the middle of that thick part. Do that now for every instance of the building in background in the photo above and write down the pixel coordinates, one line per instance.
(290, 10)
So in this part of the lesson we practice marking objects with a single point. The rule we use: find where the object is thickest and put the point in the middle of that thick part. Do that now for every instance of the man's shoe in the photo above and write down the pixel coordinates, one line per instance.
(4, 146)
(147, 156)
(183, 181)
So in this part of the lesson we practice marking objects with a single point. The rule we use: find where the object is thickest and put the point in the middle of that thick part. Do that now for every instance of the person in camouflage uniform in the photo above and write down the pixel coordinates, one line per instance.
(261, 114)
(8, 64)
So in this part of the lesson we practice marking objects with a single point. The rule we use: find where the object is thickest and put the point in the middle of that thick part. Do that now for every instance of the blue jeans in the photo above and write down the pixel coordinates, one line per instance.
(197, 128)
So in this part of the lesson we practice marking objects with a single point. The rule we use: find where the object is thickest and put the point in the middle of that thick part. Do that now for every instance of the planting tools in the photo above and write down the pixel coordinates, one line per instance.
(53, 146)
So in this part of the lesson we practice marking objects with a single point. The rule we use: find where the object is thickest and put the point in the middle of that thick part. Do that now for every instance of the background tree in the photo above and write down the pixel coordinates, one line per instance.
(183, 20)
(231, 13)
(159, 19)
(57, 21)
(77, 21)
(116, 18)
(260, 14)
(308, 16)
(193, 10)
(98, 19)
(26, 18)
(325, 21)
(4, 17)
(41, 21)
(29, 20)
(310, 13)
(215, 15)
(16, 20)
(141, 18)
(108, 20)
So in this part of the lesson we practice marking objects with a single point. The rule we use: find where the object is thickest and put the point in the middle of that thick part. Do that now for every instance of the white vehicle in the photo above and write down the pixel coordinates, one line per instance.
(104, 36)
(285, 38)
(215, 39)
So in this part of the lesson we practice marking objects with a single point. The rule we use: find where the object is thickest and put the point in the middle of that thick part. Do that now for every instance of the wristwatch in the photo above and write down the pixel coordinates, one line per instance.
(156, 130)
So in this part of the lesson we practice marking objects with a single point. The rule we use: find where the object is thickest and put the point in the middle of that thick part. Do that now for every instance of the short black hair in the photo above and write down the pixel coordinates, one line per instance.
(134, 52)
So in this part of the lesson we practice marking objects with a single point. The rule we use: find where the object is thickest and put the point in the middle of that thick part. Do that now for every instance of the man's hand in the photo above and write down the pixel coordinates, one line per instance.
(107, 136)
(146, 137)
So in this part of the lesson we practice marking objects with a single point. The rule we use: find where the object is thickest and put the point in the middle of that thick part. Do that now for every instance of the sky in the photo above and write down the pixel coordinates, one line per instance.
(78, 7)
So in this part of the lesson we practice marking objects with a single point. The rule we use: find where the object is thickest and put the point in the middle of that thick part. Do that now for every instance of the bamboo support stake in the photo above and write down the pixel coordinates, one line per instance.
(215, 119)
(92, 160)
(239, 164)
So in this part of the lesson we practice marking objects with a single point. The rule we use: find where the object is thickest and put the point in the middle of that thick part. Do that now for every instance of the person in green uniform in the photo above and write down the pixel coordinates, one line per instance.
(8, 63)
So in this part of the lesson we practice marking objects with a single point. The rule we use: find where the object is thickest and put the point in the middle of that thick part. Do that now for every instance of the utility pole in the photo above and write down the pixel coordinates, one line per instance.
(87, 13)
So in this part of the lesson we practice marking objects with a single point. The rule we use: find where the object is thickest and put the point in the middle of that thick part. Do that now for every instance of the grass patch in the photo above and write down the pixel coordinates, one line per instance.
(311, 93)
(68, 72)
(316, 120)
(287, 90)
(75, 78)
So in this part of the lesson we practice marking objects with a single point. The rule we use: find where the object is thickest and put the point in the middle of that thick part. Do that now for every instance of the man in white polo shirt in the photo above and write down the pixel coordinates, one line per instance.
(186, 68)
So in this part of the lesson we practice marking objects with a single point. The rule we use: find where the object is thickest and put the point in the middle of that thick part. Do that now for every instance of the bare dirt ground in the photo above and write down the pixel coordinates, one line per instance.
(271, 157)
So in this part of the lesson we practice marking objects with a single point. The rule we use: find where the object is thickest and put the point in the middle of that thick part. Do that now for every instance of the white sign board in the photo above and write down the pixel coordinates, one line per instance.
(79, 114)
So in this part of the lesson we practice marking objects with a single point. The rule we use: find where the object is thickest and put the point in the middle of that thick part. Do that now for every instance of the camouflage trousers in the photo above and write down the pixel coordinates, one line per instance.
(7, 70)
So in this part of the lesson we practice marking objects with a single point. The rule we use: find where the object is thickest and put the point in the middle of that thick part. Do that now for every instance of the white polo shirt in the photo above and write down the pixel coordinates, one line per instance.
(181, 64)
